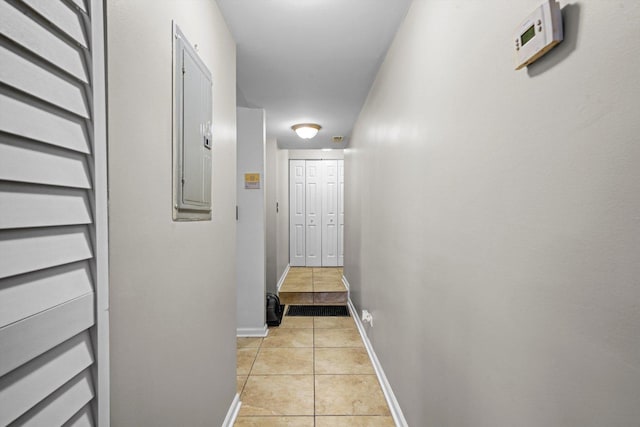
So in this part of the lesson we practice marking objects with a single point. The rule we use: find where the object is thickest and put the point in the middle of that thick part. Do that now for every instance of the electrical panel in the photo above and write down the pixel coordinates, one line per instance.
(192, 132)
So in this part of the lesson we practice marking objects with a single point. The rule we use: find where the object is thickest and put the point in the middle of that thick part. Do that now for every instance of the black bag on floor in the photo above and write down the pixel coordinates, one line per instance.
(274, 310)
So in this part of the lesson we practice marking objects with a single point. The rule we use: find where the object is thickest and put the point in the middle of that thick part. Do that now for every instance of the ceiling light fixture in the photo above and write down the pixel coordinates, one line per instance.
(306, 130)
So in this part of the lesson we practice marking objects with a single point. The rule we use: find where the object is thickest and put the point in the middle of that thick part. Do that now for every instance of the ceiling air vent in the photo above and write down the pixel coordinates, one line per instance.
(337, 139)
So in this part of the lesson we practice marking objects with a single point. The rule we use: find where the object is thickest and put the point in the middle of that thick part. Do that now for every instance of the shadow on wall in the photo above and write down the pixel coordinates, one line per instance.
(570, 24)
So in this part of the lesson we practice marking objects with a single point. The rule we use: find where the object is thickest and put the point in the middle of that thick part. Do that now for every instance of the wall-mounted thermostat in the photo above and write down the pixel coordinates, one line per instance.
(537, 34)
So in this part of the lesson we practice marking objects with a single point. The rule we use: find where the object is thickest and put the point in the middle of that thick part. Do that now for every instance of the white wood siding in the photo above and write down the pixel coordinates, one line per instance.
(48, 234)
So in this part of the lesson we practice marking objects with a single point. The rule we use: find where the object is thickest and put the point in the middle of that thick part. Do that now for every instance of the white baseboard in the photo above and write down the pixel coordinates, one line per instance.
(346, 282)
(232, 414)
(284, 275)
(394, 406)
(253, 332)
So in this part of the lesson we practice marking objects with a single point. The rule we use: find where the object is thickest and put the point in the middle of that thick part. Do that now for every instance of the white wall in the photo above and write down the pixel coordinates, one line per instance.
(173, 285)
(251, 268)
(271, 195)
(494, 220)
(337, 154)
(282, 221)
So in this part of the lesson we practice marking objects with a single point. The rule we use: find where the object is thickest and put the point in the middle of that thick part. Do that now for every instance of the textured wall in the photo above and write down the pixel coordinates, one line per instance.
(173, 286)
(493, 218)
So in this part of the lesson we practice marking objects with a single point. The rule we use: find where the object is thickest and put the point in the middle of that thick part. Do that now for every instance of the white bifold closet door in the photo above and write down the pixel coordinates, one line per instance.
(313, 196)
(316, 214)
(297, 214)
(330, 213)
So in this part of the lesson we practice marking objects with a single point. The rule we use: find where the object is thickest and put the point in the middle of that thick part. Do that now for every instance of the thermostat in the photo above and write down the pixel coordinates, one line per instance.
(537, 34)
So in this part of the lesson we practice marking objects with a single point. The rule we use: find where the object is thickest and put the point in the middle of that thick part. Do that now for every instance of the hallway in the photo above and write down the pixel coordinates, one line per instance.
(310, 371)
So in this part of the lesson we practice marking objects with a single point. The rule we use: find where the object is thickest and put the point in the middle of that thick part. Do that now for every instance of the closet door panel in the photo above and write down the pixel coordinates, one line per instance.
(313, 208)
(297, 213)
(329, 213)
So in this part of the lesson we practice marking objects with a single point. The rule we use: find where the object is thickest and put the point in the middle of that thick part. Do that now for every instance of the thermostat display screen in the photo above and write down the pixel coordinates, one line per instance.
(527, 35)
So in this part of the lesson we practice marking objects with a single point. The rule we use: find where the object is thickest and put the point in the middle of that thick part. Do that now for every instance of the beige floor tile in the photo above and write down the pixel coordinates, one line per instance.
(330, 298)
(333, 278)
(240, 381)
(349, 395)
(337, 338)
(283, 361)
(245, 359)
(297, 286)
(249, 342)
(299, 269)
(358, 421)
(341, 361)
(328, 286)
(296, 297)
(334, 323)
(274, 422)
(288, 338)
(278, 395)
(296, 322)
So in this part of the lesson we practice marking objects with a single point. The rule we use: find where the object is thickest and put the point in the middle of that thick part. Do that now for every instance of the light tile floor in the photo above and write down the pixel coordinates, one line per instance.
(309, 371)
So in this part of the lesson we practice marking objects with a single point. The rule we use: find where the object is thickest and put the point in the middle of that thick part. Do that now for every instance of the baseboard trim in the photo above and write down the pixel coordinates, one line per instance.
(345, 282)
(253, 332)
(394, 406)
(284, 275)
(232, 414)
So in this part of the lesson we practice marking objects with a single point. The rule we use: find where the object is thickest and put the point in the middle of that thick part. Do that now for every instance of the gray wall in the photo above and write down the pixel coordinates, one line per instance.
(271, 195)
(251, 237)
(282, 221)
(493, 218)
(173, 285)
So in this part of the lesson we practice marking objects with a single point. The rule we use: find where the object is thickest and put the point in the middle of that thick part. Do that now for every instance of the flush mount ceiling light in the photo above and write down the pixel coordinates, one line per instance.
(306, 130)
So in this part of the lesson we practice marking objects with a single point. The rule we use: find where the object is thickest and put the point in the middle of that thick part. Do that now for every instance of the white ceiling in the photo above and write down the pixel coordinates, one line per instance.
(310, 60)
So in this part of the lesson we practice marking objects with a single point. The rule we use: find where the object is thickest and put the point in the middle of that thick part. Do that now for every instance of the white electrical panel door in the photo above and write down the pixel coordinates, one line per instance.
(340, 213)
(329, 213)
(297, 216)
(192, 145)
(313, 195)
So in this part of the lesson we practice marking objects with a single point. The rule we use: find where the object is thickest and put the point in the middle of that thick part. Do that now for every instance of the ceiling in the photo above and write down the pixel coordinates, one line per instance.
(310, 61)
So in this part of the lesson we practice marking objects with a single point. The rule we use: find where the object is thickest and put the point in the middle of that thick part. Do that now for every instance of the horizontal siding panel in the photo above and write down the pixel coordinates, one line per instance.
(25, 387)
(31, 337)
(32, 162)
(41, 206)
(39, 122)
(61, 16)
(60, 406)
(27, 33)
(83, 418)
(29, 294)
(24, 251)
(32, 78)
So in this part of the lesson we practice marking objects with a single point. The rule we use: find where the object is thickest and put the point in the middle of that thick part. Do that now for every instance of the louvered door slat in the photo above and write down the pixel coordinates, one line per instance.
(49, 279)
(22, 30)
(60, 406)
(41, 123)
(29, 294)
(23, 251)
(48, 165)
(41, 206)
(25, 387)
(29, 338)
(62, 17)
(29, 77)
